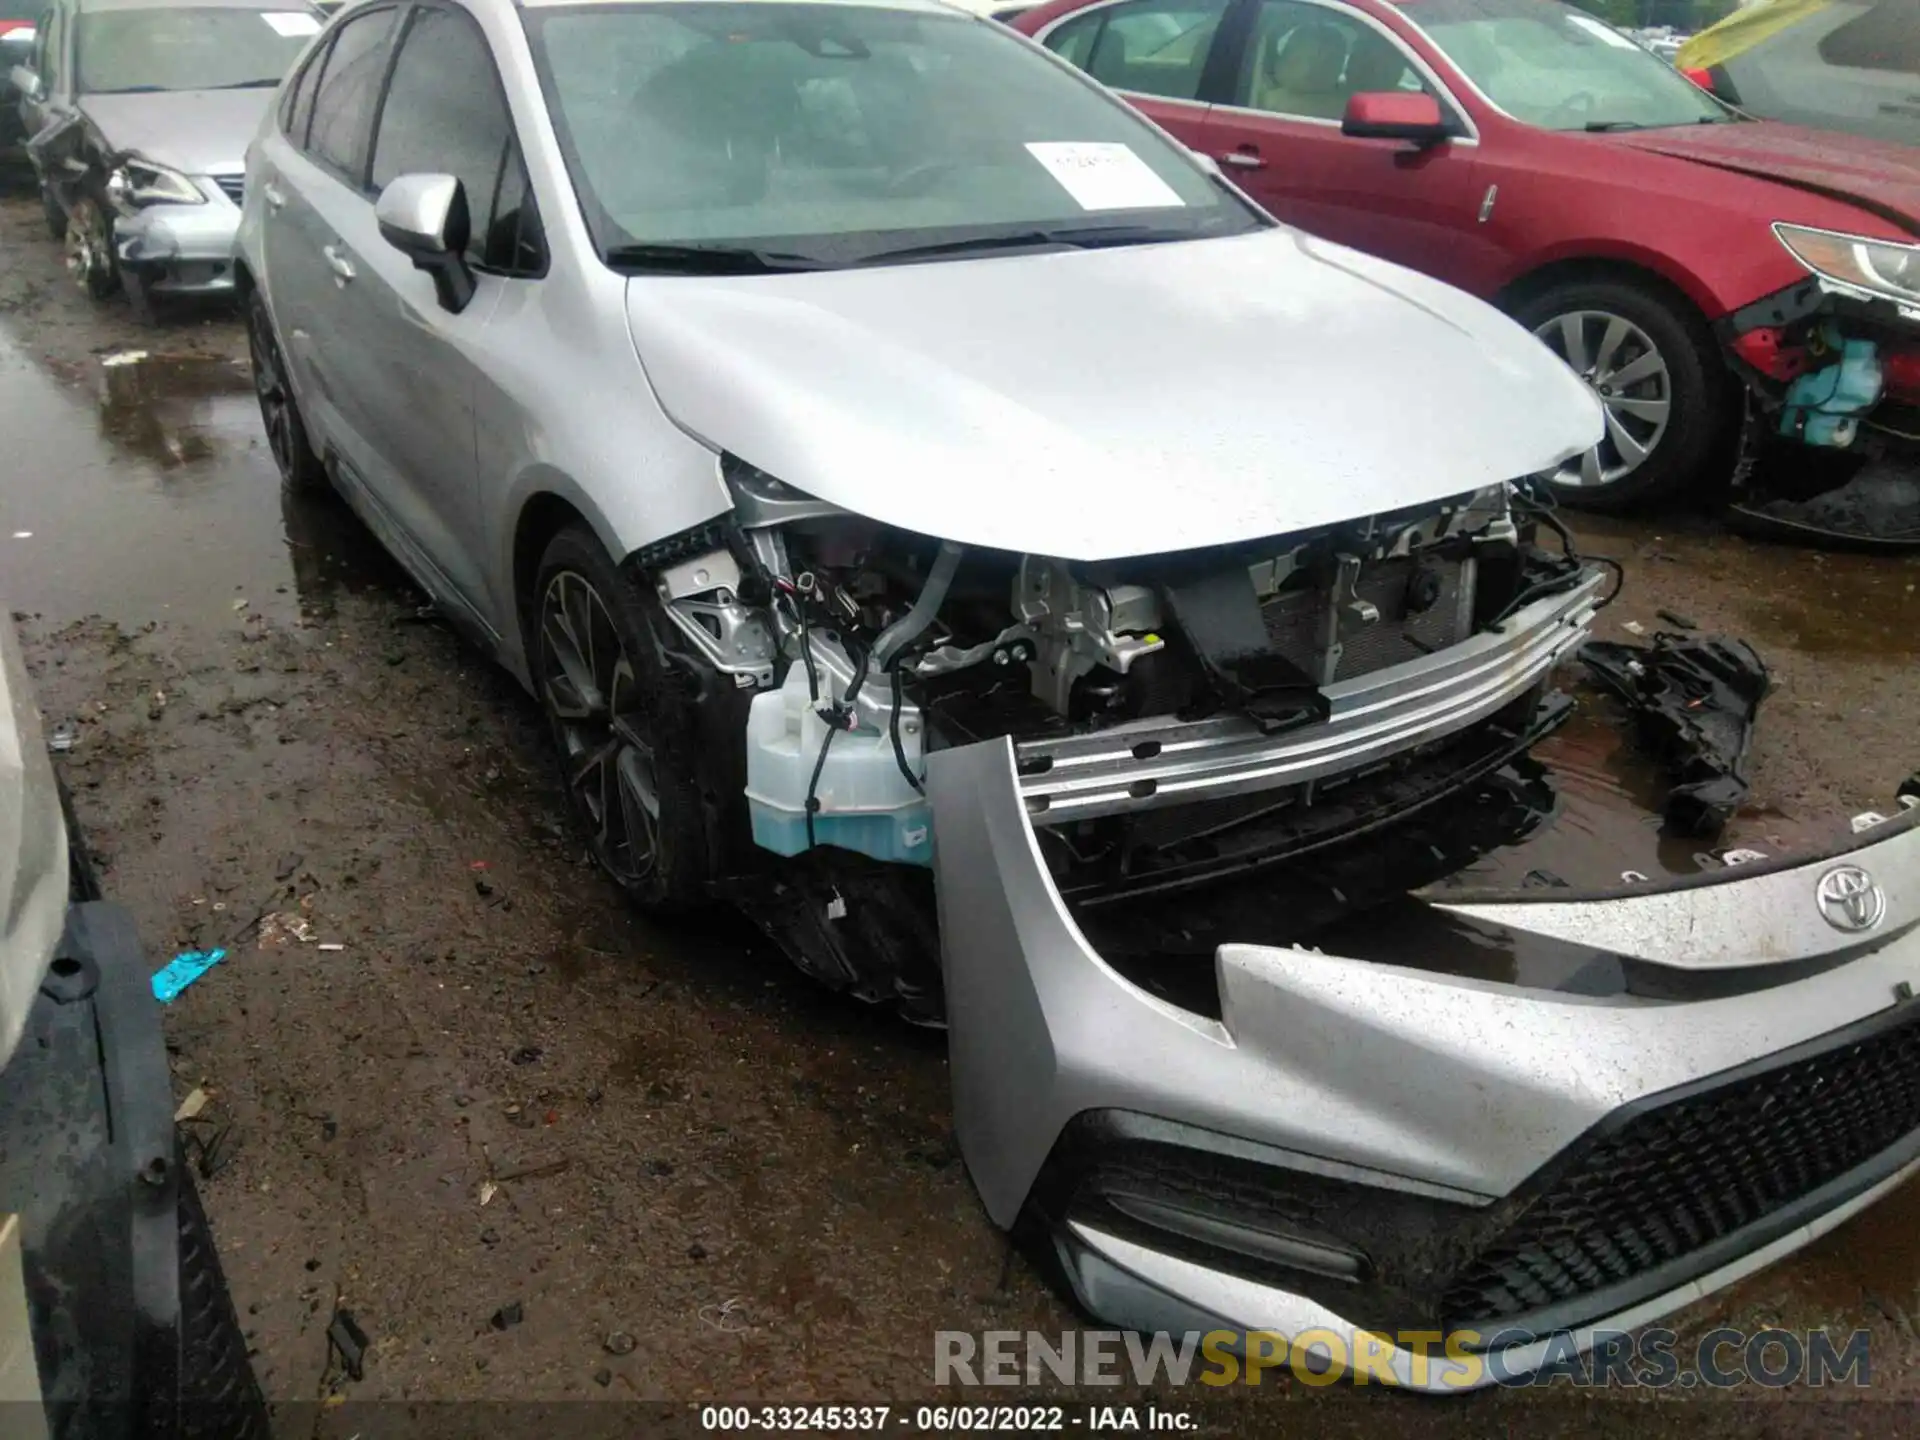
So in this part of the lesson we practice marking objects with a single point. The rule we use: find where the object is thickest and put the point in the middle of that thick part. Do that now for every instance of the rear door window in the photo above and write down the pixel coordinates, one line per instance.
(349, 85)
(1151, 47)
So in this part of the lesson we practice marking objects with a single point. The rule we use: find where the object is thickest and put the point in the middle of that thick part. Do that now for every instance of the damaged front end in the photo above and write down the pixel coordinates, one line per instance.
(1698, 1079)
(1832, 366)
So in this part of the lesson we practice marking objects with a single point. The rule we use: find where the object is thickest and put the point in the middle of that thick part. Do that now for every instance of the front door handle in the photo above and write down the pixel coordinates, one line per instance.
(338, 263)
(1243, 160)
(276, 197)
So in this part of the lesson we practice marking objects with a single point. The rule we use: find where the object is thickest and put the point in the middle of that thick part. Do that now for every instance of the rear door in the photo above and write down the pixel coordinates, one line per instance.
(1154, 52)
(312, 176)
(444, 112)
(1296, 63)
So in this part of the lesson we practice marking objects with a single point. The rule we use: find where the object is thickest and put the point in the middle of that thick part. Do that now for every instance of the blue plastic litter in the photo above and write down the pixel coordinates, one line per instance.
(181, 971)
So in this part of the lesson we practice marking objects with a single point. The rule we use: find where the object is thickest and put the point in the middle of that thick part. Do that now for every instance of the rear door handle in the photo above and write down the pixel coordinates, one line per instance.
(1243, 160)
(276, 197)
(338, 263)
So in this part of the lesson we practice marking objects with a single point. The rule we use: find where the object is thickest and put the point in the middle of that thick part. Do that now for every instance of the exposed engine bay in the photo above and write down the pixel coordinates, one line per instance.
(1181, 721)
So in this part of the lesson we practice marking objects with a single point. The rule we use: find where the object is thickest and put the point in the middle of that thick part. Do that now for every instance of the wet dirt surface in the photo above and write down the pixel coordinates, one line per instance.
(459, 1076)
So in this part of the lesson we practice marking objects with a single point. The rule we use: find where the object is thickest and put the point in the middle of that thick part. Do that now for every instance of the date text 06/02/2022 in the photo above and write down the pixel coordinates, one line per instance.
(1005, 1419)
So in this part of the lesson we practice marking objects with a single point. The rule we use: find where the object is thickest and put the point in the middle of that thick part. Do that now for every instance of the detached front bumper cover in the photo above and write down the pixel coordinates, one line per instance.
(1377, 1150)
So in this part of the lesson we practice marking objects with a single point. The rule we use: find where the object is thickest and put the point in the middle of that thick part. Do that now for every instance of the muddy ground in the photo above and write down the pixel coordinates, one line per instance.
(480, 1083)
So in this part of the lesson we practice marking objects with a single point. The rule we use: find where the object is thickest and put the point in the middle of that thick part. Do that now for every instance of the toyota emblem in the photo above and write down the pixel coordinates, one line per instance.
(1850, 900)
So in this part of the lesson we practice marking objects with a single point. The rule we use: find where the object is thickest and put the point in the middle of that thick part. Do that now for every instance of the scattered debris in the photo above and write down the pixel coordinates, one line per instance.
(195, 1102)
(289, 863)
(1742, 857)
(696, 1251)
(122, 357)
(481, 865)
(1673, 617)
(157, 706)
(527, 1054)
(620, 1343)
(534, 1172)
(603, 1377)
(1695, 700)
(63, 737)
(487, 1191)
(482, 888)
(1866, 820)
(240, 604)
(725, 1318)
(181, 971)
(278, 928)
(350, 1342)
(331, 945)
(507, 1316)
(213, 1152)
(1633, 627)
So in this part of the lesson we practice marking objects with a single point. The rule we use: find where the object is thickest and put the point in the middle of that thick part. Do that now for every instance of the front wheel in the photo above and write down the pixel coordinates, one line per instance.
(89, 240)
(1656, 370)
(626, 724)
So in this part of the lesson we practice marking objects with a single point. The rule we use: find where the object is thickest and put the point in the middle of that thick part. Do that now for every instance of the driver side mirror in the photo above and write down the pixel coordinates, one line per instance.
(27, 81)
(1395, 115)
(424, 217)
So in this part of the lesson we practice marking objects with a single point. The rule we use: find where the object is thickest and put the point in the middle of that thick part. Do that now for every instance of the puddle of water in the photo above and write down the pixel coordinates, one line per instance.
(149, 494)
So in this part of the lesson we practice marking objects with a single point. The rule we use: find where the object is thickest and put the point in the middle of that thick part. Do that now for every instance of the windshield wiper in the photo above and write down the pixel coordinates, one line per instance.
(132, 90)
(1086, 237)
(1601, 127)
(246, 85)
(695, 259)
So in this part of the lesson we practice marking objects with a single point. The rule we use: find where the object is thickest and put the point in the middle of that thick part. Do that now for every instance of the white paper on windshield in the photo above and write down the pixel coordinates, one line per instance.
(1604, 31)
(291, 22)
(1103, 175)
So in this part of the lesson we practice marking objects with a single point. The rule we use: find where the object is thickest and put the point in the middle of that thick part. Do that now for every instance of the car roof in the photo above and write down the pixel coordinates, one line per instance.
(924, 6)
(96, 7)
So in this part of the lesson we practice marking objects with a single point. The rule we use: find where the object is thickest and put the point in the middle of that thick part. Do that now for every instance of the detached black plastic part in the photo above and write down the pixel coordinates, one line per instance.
(1695, 700)
(134, 1331)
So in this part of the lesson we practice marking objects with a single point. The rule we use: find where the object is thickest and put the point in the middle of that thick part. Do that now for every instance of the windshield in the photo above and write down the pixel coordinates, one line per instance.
(841, 134)
(121, 51)
(1552, 66)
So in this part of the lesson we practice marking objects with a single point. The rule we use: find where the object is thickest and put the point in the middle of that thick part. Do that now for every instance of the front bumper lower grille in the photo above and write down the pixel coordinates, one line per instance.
(1667, 1182)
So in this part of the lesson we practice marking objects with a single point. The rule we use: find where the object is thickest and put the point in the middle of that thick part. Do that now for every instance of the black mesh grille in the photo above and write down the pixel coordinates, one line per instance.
(233, 185)
(1676, 1178)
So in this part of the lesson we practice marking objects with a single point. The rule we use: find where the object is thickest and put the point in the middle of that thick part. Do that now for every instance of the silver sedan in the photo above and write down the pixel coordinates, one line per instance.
(942, 517)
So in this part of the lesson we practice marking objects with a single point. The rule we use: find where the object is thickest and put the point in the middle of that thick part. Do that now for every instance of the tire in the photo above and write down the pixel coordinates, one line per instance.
(300, 468)
(50, 207)
(89, 242)
(1663, 347)
(625, 724)
(219, 1397)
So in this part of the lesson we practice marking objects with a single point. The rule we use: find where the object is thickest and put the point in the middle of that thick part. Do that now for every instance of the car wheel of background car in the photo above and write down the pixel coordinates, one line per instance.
(1656, 371)
(90, 248)
(219, 1397)
(300, 468)
(624, 723)
(56, 217)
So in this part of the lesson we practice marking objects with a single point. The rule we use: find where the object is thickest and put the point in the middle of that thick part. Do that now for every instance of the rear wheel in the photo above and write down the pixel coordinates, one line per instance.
(1655, 369)
(625, 724)
(300, 468)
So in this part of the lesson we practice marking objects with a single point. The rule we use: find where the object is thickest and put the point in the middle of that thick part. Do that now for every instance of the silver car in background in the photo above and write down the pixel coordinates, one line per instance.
(137, 115)
(941, 517)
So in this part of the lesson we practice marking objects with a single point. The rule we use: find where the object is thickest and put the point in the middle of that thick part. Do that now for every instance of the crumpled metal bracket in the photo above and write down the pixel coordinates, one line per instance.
(1695, 700)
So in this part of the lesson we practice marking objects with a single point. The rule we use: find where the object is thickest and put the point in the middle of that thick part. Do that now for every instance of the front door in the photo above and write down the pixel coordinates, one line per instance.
(1278, 136)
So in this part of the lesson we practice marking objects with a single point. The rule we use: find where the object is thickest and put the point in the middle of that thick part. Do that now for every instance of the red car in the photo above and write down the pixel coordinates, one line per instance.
(1666, 246)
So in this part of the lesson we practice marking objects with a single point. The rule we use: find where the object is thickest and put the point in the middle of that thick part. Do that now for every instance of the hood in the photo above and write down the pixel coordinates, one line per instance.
(197, 132)
(1876, 175)
(1103, 403)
